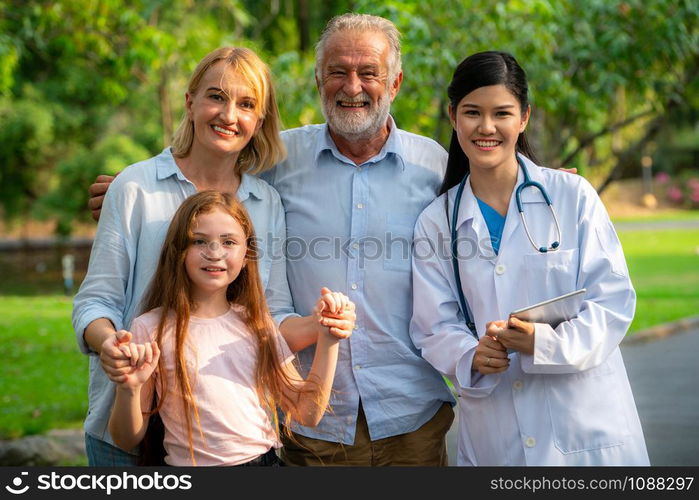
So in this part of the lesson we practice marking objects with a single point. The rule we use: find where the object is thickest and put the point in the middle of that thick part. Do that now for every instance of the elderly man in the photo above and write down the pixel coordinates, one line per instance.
(352, 189)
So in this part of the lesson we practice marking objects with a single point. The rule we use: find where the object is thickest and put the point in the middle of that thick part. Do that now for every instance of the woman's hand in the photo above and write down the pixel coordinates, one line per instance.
(491, 355)
(517, 335)
(335, 311)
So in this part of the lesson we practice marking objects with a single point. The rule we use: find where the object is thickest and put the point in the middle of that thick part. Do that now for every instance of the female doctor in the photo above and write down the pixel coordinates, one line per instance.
(561, 396)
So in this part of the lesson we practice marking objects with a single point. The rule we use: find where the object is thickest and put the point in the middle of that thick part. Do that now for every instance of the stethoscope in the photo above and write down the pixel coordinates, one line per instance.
(518, 199)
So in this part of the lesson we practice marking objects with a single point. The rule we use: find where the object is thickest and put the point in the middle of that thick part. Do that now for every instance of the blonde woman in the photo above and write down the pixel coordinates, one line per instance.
(230, 130)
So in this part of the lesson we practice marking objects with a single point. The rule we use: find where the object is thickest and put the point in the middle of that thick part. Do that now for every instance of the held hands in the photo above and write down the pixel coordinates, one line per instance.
(97, 191)
(513, 334)
(335, 311)
(126, 363)
(491, 355)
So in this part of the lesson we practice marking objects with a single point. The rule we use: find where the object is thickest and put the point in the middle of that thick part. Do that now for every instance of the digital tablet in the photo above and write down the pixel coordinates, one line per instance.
(553, 311)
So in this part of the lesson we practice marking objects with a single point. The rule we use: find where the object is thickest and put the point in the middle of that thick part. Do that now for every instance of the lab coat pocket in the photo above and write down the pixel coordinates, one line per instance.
(398, 242)
(551, 273)
(488, 444)
(586, 410)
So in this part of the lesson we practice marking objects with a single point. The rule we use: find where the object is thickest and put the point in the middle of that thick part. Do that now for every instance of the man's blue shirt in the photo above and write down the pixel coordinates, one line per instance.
(350, 228)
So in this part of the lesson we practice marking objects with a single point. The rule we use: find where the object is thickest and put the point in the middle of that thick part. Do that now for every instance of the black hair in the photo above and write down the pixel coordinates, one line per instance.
(476, 71)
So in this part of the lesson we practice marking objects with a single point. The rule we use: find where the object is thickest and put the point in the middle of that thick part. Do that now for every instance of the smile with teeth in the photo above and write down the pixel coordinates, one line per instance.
(352, 104)
(212, 269)
(486, 144)
(222, 130)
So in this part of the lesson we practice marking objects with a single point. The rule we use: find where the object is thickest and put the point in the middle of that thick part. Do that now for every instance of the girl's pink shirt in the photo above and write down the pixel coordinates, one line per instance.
(221, 354)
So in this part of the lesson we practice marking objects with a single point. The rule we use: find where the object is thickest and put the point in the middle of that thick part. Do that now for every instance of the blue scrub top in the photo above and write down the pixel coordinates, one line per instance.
(495, 223)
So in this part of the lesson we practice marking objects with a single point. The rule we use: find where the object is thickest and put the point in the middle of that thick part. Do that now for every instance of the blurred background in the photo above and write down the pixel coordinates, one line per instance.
(89, 87)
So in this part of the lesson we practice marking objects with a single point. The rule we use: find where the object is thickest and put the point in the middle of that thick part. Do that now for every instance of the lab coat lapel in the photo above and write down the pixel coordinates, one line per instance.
(469, 211)
(512, 222)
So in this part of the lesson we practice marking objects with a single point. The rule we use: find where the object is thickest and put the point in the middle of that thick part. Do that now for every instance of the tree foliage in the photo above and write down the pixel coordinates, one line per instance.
(88, 85)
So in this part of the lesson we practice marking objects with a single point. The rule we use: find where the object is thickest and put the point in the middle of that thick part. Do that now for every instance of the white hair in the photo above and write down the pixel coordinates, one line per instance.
(362, 23)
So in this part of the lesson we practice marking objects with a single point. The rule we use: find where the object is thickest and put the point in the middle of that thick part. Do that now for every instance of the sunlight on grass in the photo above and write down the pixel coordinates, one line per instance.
(43, 379)
(664, 268)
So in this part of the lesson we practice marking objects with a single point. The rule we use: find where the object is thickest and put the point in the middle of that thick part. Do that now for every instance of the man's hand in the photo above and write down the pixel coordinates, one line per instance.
(569, 170)
(113, 359)
(97, 192)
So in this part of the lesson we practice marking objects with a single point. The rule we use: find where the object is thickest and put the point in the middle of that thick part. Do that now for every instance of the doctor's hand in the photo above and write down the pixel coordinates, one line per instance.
(491, 355)
(517, 334)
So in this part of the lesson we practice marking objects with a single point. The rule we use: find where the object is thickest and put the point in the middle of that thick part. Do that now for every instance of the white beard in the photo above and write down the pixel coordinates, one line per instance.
(360, 124)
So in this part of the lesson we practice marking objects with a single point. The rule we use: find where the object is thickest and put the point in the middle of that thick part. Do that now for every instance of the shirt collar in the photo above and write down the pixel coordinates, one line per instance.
(165, 166)
(249, 186)
(393, 145)
(469, 204)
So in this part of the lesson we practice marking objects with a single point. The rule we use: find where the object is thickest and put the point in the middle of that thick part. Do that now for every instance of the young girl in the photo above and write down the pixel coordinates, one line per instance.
(224, 368)
(562, 396)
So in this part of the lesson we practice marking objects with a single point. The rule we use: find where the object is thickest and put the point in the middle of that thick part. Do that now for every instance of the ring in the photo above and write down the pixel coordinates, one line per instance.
(487, 361)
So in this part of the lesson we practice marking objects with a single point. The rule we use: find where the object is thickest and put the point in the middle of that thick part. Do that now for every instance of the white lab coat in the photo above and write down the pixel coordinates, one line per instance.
(570, 402)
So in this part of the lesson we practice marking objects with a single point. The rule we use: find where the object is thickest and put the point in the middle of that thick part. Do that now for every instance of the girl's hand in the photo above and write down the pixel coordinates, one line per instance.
(491, 355)
(143, 360)
(335, 311)
(517, 335)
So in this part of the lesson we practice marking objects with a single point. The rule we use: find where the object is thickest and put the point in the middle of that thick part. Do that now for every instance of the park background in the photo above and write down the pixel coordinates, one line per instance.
(88, 87)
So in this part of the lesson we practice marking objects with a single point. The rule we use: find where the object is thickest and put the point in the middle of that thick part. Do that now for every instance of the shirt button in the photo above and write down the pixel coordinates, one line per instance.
(517, 385)
(356, 327)
(349, 420)
(499, 269)
(357, 367)
(360, 205)
(355, 246)
(359, 169)
(354, 286)
(530, 442)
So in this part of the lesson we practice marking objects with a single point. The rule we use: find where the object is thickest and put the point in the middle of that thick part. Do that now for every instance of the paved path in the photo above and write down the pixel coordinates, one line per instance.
(664, 375)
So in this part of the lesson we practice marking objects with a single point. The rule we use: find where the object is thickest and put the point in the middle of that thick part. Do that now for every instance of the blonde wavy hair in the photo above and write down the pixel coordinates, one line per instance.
(266, 148)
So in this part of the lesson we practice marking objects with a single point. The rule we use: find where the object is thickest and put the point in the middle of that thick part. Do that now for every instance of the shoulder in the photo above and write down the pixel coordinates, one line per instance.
(146, 322)
(433, 217)
(301, 136)
(415, 144)
(568, 184)
(142, 170)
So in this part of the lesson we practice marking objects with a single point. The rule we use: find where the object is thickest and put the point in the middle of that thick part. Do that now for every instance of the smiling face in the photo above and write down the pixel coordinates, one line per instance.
(488, 122)
(216, 254)
(354, 85)
(224, 111)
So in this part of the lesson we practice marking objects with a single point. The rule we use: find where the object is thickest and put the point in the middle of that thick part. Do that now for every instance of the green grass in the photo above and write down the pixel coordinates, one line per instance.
(43, 379)
(668, 215)
(664, 268)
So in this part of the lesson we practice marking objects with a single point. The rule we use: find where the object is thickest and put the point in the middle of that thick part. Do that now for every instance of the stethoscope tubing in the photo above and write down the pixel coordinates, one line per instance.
(518, 199)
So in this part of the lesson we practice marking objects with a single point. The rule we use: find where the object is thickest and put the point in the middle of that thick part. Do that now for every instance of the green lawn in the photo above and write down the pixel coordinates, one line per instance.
(43, 379)
(664, 268)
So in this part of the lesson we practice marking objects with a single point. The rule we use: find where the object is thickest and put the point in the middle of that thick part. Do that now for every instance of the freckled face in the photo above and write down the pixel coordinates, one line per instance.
(216, 254)
(224, 112)
(488, 122)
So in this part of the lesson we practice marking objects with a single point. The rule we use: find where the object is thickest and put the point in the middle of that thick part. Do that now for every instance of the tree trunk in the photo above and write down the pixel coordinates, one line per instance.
(165, 107)
(303, 24)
